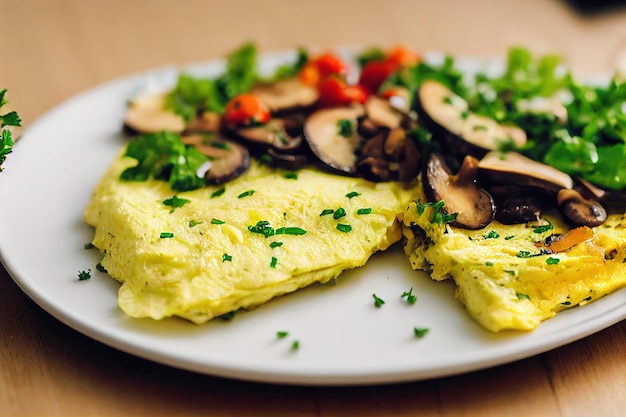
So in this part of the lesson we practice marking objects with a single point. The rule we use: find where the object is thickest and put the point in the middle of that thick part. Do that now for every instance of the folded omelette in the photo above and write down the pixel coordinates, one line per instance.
(208, 252)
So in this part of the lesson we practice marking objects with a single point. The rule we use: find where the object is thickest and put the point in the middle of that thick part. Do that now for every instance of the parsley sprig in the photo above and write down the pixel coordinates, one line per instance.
(6, 138)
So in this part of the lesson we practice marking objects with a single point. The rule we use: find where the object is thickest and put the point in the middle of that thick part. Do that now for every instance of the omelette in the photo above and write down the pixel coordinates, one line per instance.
(238, 245)
(504, 276)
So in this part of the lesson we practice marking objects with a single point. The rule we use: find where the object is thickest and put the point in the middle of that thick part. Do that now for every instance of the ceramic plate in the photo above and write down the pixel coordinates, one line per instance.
(343, 339)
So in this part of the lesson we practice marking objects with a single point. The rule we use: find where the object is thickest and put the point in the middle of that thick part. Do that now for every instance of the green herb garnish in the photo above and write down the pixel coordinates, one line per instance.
(345, 127)
(218, 193)
(193, 223)
(175, 202)
(522, 296)
(290, 231)
(363, 211)
(410, 297)
(217, 221)
(420, 332)
(552, 261)
(226, 257)
(273, 262)
(326, 212)
(353, 194)
(281, 334)
(276, 244)
(262, 227)
(246, 194)
(339, 213)
(378, 302)
(84, 275)
(6, 138)
(166, 235)
(342, 227)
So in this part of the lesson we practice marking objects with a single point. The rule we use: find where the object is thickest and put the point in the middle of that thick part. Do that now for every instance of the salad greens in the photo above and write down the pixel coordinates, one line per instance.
(192, 94)
(6, 138)
(164, 156)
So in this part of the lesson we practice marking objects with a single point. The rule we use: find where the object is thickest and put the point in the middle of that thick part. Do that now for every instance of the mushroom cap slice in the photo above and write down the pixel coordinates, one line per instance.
(380, 111)
(228, 159)
(578, 210)
(474, 206)
(147, 114)
(516, 169)
(449, 117)
(334, 148)
(286, 95)
(272, 134)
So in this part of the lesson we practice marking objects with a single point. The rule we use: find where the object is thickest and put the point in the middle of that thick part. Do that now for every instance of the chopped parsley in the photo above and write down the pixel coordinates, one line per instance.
(291, 175)
(522, 296)
(342, 227)
(363, 211)
(273, 262)
(166, 235)
(345, 127)
(281, 334)
(420, 332)
(552, 261)
(84, 275)
(339, 213)
(493, 234)
(378, 302)
(226, 257)
(175, 202)
(544, 228)
(262, 227)
(290, 231)
(276, 244)
(218, 193)
(438, 214)
(217, 221)
(246, 194)
(101, 268)
(509, 237)
(353, 194)
(410, 297)
(193, 223)
(295, 345)
(326, 212)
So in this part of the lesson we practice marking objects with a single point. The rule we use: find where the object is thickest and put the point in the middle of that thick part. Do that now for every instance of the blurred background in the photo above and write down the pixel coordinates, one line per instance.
(103, 40)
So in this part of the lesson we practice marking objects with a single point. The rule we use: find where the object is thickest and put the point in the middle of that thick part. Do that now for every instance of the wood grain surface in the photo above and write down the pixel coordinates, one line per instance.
(55, 49)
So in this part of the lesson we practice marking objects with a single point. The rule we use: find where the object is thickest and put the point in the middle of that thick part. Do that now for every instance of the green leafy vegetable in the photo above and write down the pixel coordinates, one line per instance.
(84, 275)
(163, 156)
(6, 137)
(175, 202)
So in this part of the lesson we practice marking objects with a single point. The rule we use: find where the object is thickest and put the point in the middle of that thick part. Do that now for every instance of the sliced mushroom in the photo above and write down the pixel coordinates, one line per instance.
(390, 156)
(332, 136)
(227, 159)
(513, 168)
(273, 134)
(286, 95)
(580, 211)
(474, 206)
(207, 121)
(147, 114)
(613, 201)
(518, 210)
(449, 117)
(381, 113)
(288, 161)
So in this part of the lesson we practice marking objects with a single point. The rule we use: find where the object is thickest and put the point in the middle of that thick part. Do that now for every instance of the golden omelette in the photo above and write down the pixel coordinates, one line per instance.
(268, 234)
(501, 275)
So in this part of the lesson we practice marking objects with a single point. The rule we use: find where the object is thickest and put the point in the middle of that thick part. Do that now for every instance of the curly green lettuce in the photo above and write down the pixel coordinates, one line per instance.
(6, 138)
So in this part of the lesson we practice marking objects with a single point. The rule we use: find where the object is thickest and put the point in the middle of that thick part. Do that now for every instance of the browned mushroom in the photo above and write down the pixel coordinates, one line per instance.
(333, 138)
(227, 159)
(272, 134)
(473, 205)
(286, 95)
(580, 211)
(448, 116)
(513, 168)
(147, 114)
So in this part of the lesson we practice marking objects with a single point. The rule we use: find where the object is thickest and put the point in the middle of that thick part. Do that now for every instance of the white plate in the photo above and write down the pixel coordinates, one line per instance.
(343, 338)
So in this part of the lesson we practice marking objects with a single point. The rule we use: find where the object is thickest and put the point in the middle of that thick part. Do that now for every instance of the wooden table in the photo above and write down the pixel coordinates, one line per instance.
(52, 50)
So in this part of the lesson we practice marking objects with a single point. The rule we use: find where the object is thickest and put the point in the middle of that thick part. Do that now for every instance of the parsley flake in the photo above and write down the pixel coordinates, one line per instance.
(363, 211)
(175, 202)
(420, 332)
(410, 297)
(290, 231)
(273, 262)
(339, 213)
(84, 275)
(262, 227)
(193, 223)
(246, 194)
(522, 296)
(326, 212)
(217, 221)
(218, 193)
(227, 257)
(378, 302)
(166, 235)
(276, 244)
(342, 227)
(345, 127)
(281, 334)
(353, 194)
(552, 261)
